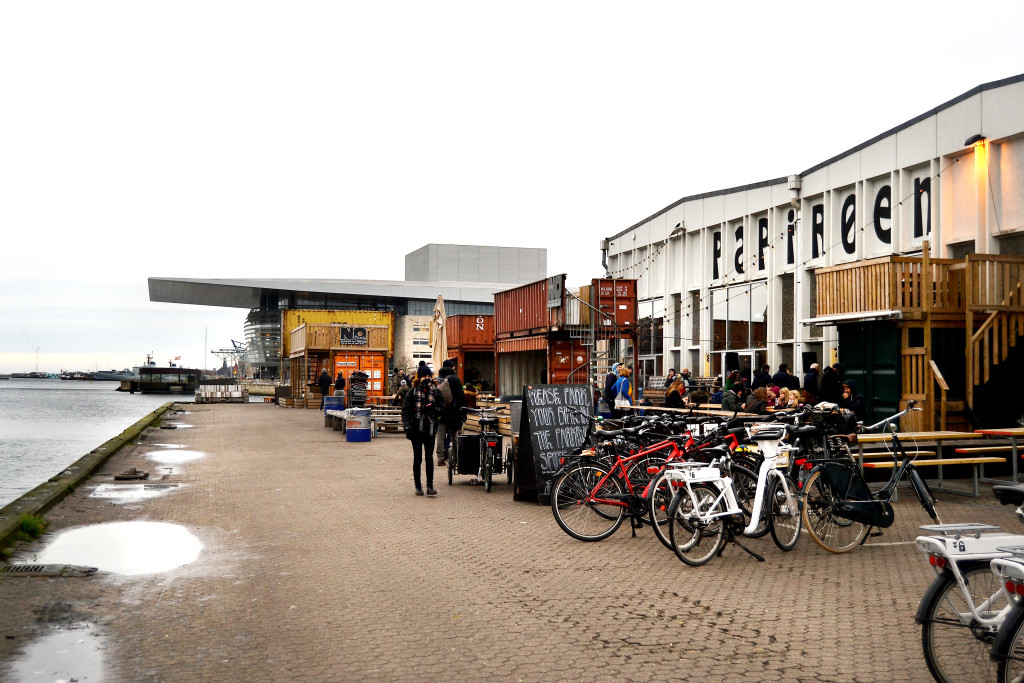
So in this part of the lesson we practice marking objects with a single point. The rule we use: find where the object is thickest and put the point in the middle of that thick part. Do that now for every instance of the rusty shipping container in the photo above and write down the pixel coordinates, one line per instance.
(523, 310)
(471, 343)
(616, 299)
(545, 359)
(568, 361)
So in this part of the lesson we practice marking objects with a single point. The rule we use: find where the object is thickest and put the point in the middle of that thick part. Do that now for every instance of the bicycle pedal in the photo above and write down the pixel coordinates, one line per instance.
(875, 534)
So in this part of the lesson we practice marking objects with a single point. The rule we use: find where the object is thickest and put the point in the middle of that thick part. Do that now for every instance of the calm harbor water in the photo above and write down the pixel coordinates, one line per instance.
(47, 424)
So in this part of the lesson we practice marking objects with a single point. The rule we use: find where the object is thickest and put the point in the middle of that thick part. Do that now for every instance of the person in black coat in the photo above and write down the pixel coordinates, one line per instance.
(339, 387)
(831, 386)
(451, 417)
(420, 424)
(762, 378)
(811, 382)
(324, 382)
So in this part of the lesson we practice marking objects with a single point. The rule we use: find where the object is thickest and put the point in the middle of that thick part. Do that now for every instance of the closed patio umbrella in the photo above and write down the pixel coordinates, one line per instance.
(438, 336)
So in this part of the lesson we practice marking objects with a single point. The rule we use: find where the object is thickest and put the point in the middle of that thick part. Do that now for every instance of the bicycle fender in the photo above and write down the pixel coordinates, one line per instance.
(940, 581)
(677, 498)
(1007, 630)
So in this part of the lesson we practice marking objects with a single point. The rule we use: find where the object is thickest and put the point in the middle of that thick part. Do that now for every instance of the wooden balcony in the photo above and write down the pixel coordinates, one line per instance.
(915, 286)
(309, 338)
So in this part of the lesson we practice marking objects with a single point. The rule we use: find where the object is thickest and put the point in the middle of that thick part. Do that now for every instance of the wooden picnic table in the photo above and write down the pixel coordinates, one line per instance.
(927, 437)
(1013, 433)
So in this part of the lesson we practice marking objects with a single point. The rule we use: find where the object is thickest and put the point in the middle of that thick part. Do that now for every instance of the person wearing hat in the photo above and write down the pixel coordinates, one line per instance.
(403, 389)
(451, 417)
(419, 423)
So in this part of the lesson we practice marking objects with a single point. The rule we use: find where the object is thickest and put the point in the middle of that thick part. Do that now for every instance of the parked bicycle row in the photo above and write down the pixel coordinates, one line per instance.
(703, 482)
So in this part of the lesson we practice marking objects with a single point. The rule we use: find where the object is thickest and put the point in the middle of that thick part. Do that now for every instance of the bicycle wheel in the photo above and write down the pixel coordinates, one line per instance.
(575, 510)
(745, 484)
(1008, 650)
(659, 497)
(693, 541)
(508, 465)
(783, 518)
(834, 534)
(955, 647)
(487, 460)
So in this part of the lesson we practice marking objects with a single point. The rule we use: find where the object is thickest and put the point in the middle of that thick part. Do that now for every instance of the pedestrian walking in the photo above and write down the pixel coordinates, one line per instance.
(324, 382)
(419, 422)
(451, 413)
(339, 387)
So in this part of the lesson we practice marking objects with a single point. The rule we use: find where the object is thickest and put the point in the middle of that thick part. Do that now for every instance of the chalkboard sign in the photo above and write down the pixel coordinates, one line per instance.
(548, 430)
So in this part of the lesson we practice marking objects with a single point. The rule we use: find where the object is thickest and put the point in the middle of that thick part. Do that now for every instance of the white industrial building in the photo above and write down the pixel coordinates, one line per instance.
(809, 266)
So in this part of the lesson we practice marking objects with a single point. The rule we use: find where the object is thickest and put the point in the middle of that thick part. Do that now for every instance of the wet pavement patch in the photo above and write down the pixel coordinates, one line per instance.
(122, 493)
(61, 655)
(174, 457)
(167, 445)
(128, 548)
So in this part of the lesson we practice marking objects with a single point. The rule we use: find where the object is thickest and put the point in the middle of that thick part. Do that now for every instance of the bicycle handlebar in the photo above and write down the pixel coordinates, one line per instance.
(911, 406)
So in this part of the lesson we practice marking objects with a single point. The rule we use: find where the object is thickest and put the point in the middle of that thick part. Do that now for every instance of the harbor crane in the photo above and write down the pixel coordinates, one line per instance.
(235, 356)
(34, 348)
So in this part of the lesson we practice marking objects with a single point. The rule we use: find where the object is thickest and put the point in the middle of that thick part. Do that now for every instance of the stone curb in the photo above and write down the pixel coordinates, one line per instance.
(46, 495)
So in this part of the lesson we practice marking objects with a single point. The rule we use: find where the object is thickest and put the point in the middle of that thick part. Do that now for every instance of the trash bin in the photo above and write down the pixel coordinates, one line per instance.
(357, 424)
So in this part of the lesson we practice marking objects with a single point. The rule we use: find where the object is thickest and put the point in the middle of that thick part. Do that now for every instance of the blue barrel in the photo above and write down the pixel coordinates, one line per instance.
(334, 402)
(357, 424)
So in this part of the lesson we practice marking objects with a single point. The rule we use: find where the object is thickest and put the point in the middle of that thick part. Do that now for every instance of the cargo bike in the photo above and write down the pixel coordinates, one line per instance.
(481, 454)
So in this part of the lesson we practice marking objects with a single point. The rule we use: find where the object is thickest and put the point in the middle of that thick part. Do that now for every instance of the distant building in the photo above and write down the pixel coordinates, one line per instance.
(459, 273)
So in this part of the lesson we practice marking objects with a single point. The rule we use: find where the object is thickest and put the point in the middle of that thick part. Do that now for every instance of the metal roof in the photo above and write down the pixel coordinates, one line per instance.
(246, 293)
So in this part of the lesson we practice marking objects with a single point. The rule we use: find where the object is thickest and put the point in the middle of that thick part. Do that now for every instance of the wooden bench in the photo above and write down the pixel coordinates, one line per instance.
(388, 418)
(977, 463)
(970, 450)
(334, 419)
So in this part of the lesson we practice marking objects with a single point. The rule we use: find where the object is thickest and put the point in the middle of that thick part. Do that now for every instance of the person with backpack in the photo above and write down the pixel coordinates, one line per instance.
(451, 416)
(419, 424)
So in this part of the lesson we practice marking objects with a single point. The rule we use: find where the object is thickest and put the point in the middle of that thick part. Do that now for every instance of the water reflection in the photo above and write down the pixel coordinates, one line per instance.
(168, 445)
(122, 493)
(61, 656)
(128, 548)
(174, 457)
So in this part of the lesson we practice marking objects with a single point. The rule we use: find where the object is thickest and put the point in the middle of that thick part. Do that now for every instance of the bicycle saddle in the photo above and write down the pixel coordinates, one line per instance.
(488, 421)
(769, 434)
(805, 431)
(1009, 494)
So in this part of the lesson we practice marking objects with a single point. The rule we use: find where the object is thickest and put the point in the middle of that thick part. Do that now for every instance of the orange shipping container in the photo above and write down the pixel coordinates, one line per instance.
(470, 332)
(373, 363)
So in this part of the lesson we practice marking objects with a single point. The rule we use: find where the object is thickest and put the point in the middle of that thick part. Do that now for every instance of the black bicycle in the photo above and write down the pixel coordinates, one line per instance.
(838, 507)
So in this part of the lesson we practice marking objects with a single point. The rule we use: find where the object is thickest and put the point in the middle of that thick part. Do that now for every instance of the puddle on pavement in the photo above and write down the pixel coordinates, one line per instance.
(64, 655)
(175, 425)
(123, 493)
(128, 548)
(167, 445)
(174, 457)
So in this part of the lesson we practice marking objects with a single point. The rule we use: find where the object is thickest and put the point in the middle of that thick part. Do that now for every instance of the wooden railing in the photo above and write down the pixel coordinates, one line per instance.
(995, 286)
(310, 337)
(890, 283)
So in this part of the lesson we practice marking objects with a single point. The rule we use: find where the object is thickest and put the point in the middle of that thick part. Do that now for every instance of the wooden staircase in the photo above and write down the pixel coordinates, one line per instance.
(995, 314)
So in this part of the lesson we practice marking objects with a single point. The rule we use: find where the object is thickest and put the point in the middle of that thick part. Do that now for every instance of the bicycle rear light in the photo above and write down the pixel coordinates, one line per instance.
(1014, 586)
(492, 444)
(937, 561)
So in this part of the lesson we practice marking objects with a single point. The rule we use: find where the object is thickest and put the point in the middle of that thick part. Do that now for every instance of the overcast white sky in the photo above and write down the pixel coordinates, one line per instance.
(328, 139)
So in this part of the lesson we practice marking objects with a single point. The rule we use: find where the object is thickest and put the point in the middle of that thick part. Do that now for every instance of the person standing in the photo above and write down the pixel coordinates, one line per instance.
(451, 414)
(418, 422)
(762, 378)
(324, 382)
(339, 387)
(622, 389)
(609, 385)
(403, 389)
(831, 386)
(811, 381)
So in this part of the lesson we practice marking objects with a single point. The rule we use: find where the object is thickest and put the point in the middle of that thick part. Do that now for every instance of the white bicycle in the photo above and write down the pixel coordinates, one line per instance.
(967, 604)
(704, 512)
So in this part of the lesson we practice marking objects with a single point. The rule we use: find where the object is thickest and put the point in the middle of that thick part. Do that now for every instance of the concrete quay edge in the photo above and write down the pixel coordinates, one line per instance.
(49, 493)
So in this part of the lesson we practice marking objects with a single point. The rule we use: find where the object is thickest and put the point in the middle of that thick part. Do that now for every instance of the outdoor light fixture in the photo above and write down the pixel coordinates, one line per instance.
(677, 231)
(975, 139)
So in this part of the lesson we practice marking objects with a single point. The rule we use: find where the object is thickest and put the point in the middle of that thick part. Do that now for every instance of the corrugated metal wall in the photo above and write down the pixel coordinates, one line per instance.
(517, 369)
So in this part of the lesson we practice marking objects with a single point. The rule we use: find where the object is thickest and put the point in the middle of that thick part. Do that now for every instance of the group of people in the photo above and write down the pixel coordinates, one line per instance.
(778, 391)
(432, 417)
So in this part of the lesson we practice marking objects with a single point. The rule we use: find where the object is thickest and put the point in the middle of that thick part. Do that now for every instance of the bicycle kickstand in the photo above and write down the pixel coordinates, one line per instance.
(748, 551)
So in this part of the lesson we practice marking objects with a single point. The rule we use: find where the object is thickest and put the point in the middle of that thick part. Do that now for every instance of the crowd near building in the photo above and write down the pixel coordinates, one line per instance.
(901, 261)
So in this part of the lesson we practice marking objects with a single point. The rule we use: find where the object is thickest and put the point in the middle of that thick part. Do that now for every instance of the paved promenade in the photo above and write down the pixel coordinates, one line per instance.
(319, 564)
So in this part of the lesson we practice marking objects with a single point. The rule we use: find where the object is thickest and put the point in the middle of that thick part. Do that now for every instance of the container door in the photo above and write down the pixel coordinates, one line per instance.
(373, 365)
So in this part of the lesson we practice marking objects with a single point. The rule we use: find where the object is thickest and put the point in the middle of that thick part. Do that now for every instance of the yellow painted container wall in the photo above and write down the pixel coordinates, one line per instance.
(292, 318)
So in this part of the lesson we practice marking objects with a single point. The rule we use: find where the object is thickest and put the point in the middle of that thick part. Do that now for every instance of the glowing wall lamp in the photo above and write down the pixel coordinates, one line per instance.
(976, 139)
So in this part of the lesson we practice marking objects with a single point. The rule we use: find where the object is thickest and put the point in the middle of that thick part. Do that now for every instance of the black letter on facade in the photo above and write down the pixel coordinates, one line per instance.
(762, 241)
(716, 252)
(922, 203)
(848, 224)
(791, 230)
(883, 212)
(739, 249)
(817, 230)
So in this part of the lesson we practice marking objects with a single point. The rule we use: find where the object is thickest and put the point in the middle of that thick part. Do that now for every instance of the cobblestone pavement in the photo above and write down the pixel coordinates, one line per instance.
(320, 564)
